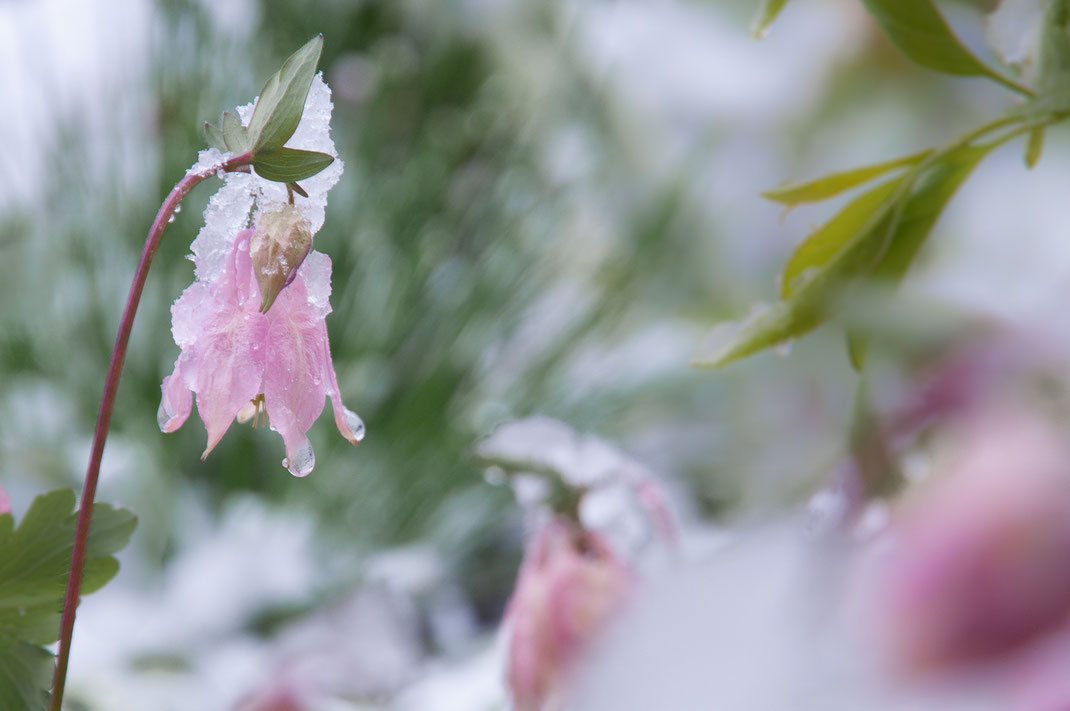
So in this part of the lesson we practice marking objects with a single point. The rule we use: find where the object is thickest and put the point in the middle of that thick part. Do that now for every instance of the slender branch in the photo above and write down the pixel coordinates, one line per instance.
(107, 404)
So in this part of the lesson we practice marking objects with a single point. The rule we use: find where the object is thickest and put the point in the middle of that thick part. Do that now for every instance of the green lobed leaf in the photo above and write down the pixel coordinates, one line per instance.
(214, 136)
(34, 560)
(859, 216)
(921, 33)
(767, 13)
(235, 135)
(25, 675)
(286, 165)
(282, 100)
(835, 183)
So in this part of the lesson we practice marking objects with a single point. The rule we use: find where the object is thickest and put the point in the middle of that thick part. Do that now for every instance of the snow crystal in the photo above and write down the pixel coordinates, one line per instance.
(316, 271)
(229, 210)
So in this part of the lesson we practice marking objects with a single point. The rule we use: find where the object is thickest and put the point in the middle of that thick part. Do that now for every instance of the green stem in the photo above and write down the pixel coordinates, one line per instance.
(107, 405)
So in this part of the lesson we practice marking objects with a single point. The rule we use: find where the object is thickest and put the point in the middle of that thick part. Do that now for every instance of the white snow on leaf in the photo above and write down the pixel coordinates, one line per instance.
(1013, 31)
(228, 212)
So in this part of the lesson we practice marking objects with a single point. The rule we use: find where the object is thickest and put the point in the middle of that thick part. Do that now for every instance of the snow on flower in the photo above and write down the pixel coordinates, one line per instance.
(246, 354)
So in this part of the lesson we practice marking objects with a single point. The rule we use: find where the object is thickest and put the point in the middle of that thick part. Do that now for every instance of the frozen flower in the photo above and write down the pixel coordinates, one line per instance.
(241, 361)
(981, 565)
(251, 326)
(570, 584)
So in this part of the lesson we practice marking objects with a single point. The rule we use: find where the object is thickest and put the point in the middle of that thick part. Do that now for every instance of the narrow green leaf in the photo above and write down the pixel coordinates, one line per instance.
(820, 247)
(916, 221)
(1034, 147)
(766, 14)
(282, 100)
(921, 33)
(296, 187)
(234, 134)
(835, 183)
(287, 165)
(214, 136)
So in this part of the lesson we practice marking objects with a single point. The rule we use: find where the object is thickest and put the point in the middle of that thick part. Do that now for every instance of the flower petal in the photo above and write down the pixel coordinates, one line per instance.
(294, 382)
(177, 400)
(229, 369)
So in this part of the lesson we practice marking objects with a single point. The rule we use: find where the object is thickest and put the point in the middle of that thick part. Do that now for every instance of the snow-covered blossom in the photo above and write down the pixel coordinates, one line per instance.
(251, 326)
(570, 584)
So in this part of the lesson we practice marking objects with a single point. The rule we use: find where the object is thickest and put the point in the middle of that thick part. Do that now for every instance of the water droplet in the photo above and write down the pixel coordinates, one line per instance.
(783, 349)
(304, 460)
(495, 476)
(178, 209)
(163, 415)
(355, 424)
(171, 218)
(316, 381)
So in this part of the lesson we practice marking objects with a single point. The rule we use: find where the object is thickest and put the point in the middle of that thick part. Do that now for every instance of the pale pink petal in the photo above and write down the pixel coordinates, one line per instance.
(177, 400)
(294, 382)
(229, 368)
(347, 421)
(189, 312)
(5, 502)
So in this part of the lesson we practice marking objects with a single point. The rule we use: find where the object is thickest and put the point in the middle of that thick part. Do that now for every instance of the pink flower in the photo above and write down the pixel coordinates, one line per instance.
(5, 502)
(982, 560)
(241, 362)
(570, 584)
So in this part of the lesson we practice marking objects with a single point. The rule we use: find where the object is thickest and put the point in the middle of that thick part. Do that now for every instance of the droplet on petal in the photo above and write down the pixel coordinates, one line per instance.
(164, 414)
(355, 424)
(304, 460)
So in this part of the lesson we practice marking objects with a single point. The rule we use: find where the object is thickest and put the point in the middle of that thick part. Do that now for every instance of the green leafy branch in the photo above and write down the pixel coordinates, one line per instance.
(876, 237)
(34, 560)
(275, 118)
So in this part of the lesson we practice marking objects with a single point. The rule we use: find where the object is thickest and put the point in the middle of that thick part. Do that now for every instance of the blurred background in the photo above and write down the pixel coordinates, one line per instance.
(545, 206)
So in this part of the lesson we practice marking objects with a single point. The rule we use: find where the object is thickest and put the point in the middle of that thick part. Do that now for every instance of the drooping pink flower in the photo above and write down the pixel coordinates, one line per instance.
(5, 502)
(570, 584)
(236, 358)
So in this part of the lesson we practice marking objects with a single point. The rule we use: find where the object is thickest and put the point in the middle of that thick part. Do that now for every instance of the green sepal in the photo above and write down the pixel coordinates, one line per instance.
(235, 135)
(214, 136)
(282, 100)
(835, 183)
(293, 185)
(767, 13)
(287, 165)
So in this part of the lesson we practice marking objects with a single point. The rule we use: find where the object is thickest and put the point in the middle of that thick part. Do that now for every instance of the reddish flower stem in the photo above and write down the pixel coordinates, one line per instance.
(107, 405)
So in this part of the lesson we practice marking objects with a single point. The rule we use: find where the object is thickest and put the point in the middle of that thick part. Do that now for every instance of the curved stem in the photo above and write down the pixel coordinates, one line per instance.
(107, 404)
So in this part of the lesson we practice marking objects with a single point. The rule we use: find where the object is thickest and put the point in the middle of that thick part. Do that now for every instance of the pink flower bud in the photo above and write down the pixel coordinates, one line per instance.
(570, 584)
(982, 558)
(280, 243)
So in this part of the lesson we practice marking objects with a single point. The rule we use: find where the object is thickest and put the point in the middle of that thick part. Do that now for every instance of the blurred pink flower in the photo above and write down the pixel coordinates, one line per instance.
(5, 502)
(240, 361)
(981, 565)
(570, 584)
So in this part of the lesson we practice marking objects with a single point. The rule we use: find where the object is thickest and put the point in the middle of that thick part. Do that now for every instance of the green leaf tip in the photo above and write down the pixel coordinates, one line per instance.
(282, 100)
(767, 13)
(835, 183)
